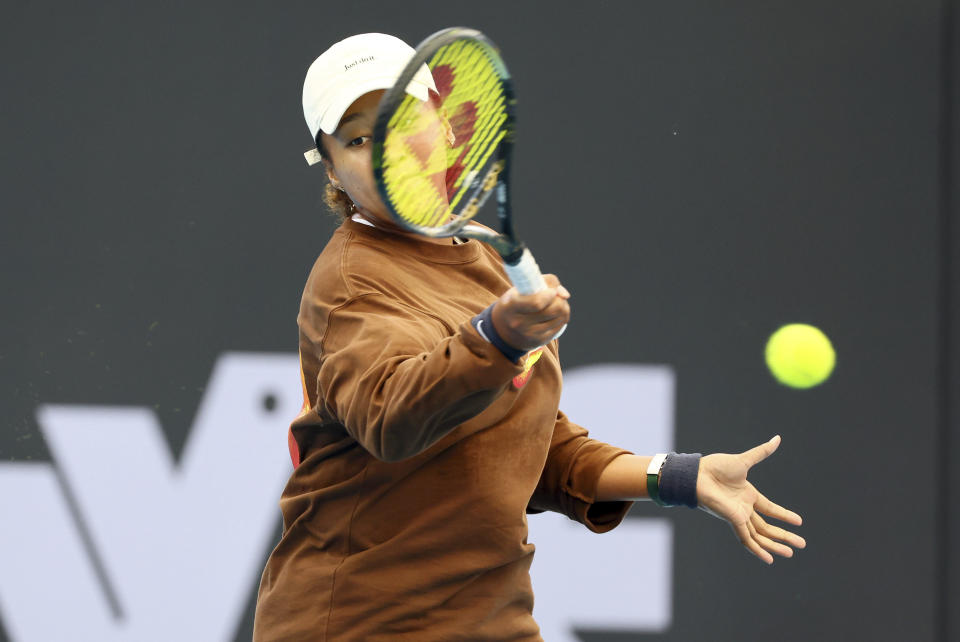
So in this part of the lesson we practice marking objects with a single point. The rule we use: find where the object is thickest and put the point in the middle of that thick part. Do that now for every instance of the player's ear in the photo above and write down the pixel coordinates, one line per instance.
(325, 159)
(327, 163)
(448, 131)
(331, 173)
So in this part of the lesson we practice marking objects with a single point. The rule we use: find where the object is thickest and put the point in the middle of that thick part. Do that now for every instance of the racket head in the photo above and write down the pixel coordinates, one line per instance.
(436, 161)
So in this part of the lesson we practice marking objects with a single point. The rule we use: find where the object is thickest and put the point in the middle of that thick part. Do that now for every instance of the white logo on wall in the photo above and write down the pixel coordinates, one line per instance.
(178, 546)
(115, 541)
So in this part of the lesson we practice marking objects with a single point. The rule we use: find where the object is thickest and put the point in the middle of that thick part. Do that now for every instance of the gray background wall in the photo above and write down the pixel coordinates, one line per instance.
(736, 166)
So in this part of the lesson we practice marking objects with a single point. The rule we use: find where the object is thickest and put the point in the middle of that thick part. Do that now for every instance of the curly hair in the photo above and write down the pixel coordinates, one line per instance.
(336, 200)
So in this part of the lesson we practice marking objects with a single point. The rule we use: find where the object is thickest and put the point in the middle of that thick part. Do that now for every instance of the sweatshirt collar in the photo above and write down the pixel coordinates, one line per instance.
(462, 253)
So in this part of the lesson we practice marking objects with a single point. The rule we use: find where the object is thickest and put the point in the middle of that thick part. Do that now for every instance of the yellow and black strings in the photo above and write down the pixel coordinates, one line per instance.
(427, 181)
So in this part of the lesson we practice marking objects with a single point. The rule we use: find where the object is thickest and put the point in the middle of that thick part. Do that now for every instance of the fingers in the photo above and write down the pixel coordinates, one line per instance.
(530, 303)
(527, 321)
(764, 540)
(758, 453)
(761, 539)
(553, 282)
(746, 537)
(777, 533)
(768, 544)
(537, 302)
(772, 538)
(527, 314)
(545, 332)
(776, 511)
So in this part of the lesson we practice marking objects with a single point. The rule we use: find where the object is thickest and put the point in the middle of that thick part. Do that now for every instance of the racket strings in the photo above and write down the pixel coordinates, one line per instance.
(431, 184)
(478, 83)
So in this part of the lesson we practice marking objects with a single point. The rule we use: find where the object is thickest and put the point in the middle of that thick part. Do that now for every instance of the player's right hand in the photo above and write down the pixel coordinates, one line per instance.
(528, 321)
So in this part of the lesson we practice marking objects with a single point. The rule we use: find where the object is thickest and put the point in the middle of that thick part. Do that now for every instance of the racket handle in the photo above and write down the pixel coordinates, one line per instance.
(525, 274)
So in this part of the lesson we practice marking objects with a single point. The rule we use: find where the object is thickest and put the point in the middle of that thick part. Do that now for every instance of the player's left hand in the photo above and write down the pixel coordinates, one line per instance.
(724, 492)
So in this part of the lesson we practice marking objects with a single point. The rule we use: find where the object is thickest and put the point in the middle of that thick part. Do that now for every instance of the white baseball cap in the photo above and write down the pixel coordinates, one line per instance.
(351, 68)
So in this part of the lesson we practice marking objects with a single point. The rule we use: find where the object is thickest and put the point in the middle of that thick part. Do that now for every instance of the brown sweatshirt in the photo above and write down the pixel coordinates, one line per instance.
(418, 453)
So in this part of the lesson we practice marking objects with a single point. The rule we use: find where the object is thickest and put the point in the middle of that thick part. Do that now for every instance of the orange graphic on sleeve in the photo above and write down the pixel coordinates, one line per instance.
(531, 359)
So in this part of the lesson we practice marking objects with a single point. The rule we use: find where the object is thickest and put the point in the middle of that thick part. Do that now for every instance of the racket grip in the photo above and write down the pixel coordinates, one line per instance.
(525, 274)
(526, 277)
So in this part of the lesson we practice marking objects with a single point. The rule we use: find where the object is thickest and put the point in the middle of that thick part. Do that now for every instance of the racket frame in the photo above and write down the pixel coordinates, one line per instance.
(505, 243)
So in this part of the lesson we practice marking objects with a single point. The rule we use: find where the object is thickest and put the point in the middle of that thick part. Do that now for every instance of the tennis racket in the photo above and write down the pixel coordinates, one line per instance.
(436, 162)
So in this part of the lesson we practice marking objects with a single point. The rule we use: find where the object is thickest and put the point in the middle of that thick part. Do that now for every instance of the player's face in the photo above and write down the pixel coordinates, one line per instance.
(350, 152)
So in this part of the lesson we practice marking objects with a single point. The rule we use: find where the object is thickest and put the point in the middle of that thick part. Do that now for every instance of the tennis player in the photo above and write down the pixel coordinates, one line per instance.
(430, 426)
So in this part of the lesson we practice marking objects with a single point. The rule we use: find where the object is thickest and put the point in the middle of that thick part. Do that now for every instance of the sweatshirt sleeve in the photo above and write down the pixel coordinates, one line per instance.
(568, 484)
(398, 381)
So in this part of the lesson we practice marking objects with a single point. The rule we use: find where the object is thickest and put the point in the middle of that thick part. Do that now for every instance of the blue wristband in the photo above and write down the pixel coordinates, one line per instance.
(678, 479)
(483, 324)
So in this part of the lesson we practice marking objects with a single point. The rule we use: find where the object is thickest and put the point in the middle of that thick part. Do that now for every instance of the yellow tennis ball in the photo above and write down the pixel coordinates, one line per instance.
(800, 355)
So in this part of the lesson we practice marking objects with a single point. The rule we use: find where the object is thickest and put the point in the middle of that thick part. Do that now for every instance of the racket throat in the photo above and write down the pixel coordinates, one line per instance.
(513, 253)
(524, 273)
